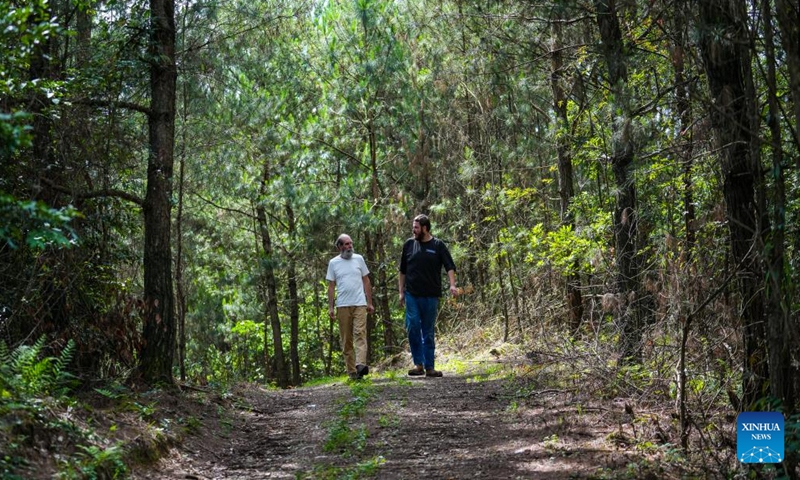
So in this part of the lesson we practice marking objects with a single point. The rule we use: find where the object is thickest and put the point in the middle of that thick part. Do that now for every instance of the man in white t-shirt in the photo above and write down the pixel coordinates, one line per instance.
(348, 282)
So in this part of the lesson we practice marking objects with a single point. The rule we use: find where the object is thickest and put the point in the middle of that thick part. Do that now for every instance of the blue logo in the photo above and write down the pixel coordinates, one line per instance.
(759, 437)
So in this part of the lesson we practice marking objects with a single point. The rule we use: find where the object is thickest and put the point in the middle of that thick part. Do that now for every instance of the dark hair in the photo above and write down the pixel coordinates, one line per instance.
(423, 221)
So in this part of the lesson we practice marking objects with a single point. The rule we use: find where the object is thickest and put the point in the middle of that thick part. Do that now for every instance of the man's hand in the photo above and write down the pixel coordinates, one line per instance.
(332, 313)
(402, 299)
(370, 308)
(453, 290)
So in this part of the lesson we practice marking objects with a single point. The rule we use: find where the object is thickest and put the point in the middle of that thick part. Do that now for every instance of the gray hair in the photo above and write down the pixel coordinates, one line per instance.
(340, 240)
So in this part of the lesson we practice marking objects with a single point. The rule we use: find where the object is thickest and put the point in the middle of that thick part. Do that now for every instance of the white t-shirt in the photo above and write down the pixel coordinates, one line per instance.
(348, 276)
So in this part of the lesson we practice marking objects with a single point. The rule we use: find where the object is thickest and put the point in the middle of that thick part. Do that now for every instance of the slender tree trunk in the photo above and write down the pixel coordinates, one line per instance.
(520, 312)
(789, 25)
(370, 257)
(181, 294)
(294, 303)
(271, 286)
(503, 301)
(685, 145)
(383, 310)
(318, 328)
(566, 187)
(159, 315)
(788, 16)
(331, 345)
(724, 46)
(83, 25)
(778, 323)
(622, 155)
(377, 202)
(40, 70)
(684, 152)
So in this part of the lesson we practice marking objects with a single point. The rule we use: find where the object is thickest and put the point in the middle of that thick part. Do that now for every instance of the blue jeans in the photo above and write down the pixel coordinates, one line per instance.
(420, 317)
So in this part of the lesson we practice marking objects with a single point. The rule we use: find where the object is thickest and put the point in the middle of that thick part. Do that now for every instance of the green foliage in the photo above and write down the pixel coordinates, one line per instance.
(35, 224)
(22, 28)
(31, 386)
(792, 436)
(570, 252)
(243, 361)
(343, 437)
(95, 463)
(24, 373)
(14, 133)
(32, 223)
(366, 469)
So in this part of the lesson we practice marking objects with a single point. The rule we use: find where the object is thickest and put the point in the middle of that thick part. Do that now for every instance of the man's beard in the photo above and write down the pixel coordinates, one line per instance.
(347, 254)
(420, 236)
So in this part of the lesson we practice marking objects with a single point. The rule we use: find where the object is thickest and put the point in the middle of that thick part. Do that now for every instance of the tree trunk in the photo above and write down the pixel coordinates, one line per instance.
(181, 294)
(84, 34)
(159, 315)
(294, 303)
(788, 16)
(318, 328)
(370, 257)
(566, 187)
(625, 212)
(685, 145)
(789, 25)
(724, 46)
(382, 306)
(684, 152)
(503, 301)
(271, 286)
(779, 335)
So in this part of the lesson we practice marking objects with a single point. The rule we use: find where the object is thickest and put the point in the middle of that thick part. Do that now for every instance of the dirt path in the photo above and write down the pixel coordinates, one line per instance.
(455, 427)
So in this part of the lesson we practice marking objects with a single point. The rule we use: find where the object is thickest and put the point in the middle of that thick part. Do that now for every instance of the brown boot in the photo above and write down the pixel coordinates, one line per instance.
(432, 373)
(417, 371)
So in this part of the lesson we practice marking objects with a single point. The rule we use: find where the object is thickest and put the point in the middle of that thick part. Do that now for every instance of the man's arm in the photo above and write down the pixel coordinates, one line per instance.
(368, 292)
(451, 275)
(449, 266)
(331, 296)
(401, 285)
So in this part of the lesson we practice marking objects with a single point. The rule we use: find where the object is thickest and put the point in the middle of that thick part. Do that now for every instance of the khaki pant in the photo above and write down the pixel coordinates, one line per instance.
(353, 332)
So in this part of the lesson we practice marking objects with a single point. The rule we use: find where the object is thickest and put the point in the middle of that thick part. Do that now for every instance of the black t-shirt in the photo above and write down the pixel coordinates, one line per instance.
(422, 264)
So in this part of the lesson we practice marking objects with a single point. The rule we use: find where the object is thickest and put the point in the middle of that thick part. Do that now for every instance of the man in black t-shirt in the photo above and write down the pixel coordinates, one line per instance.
(420, 287)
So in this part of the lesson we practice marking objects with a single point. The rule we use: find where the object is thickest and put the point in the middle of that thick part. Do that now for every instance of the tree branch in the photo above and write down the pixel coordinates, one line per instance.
(112, 104)
(329, 145)
(227, 209)
(108, 192)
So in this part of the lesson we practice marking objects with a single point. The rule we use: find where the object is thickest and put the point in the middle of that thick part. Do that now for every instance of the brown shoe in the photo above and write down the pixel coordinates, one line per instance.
(432, 373)
(417, 371)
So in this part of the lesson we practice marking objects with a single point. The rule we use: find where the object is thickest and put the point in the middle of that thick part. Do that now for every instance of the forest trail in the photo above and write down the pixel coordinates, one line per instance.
(398, 427)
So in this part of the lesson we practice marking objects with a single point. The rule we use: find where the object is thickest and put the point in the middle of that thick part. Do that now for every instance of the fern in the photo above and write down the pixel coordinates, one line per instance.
(24, 373)
(62, 379)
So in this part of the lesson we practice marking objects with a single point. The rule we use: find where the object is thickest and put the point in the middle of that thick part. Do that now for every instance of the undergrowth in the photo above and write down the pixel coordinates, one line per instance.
(586, 372)
(32, 387)
(47, 431)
